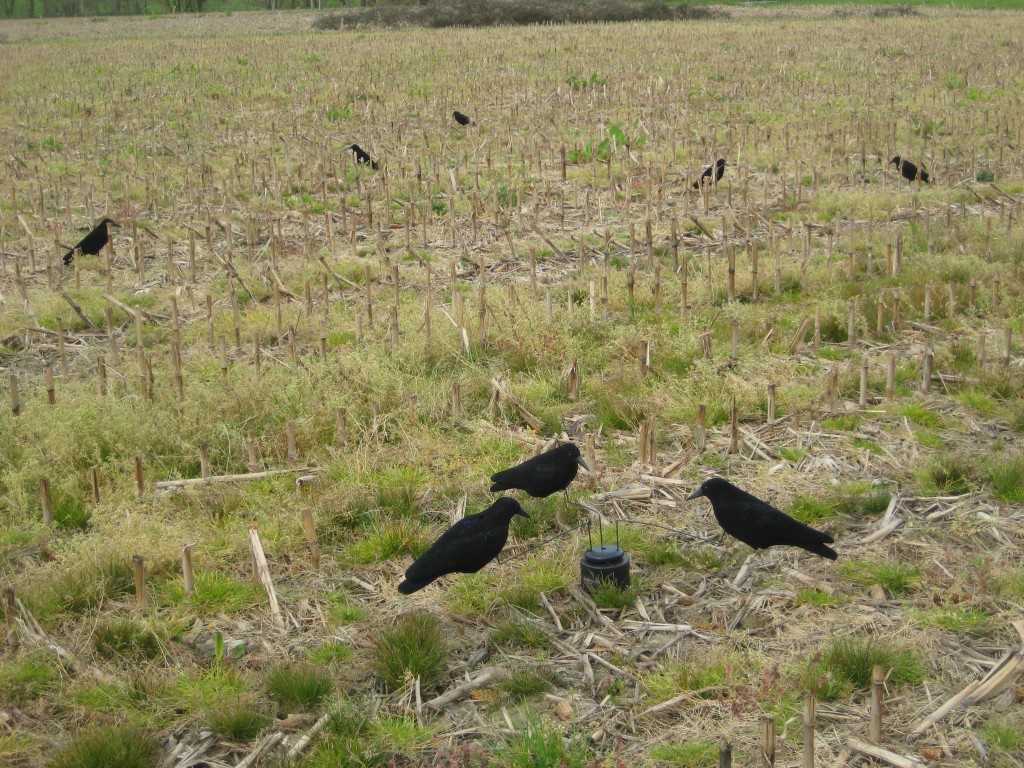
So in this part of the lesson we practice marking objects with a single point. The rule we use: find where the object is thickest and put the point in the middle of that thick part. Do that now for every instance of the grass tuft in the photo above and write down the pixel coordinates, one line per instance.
(125, 638)
(1007, 478)
(237, 719)
(413, 647)
(123, 746)
(696, 754)
(299, 687)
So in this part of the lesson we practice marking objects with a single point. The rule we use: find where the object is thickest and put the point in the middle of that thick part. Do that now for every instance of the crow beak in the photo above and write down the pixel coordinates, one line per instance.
(522, 512)
(582, 463)
(696, 494)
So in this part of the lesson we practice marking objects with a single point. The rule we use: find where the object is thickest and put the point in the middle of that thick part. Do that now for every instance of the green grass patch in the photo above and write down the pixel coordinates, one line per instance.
(607, 594)
(520, 633)
(541, 745)
(896, 578)
(215, 592)
(967, 620)
(27, 678)
(703, 679)
(848, 663)
(522, 683)
(1005, 733)
(814, 597)
(948, 475)
(330, 653)
(696, 754)
(917, 414)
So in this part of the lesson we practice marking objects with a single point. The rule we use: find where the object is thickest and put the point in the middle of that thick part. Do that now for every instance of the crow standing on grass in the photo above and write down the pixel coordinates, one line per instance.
(466, 547)
(542, 475)
(461, 119)
(362, 157)
(718, 169)
(908, 170)
(92, 243)
(757, 523)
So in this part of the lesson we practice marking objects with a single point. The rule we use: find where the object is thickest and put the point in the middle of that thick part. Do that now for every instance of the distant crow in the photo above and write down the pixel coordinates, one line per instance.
(461, 119)
(718, 169)
(757, 523)
(908, 170)
(362, 157)
(92, 243)
(466, 547)
(542, 475)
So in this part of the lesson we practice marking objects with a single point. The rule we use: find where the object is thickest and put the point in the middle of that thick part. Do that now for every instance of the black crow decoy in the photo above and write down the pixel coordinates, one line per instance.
(542, 475)
(461, 119)
(757, 523)
(908, 170)
(92, 243)
(363, 158)
(718, 169)
(466, 547)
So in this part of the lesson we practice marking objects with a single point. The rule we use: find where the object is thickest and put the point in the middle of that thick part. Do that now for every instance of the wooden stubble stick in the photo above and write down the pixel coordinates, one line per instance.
(175, 485)
(501, 388)
(31, 630)
(306, 738)
(263, 571)
(486, 676)
(942, 711)
(885, 755)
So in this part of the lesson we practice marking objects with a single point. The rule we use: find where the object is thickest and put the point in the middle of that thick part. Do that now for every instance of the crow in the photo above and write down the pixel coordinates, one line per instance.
(718, 169)
(362, 157)
(92, 243)
(757, 523)
(908, 170)
(542, 475)
(466, 547)
(461, 119)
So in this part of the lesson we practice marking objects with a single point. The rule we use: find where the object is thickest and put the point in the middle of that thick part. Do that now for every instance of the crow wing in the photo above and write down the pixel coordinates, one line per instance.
(466, 547)
(540, 476)
(760, 525)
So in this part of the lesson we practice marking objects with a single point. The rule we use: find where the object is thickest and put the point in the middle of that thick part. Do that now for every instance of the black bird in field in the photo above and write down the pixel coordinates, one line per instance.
(542, 475)
(757, 523)
(718, 169)
(461, 119)
(466, 547)
(362, 157)
(92, 243)
(908, 170)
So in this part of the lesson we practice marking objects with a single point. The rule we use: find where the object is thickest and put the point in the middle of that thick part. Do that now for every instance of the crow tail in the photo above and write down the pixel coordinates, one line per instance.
(409, 586)
(821, 550)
